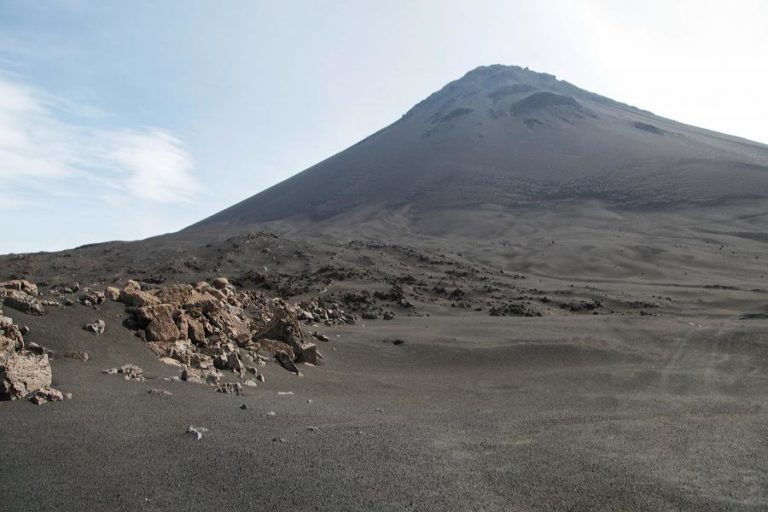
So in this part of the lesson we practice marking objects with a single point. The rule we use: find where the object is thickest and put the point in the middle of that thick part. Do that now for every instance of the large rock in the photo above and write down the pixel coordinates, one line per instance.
(22, 373)
(178, 294)
(308, 353)
(137, 298)
(158, 322)
(21, 301)
(195, 331)
(20, 285)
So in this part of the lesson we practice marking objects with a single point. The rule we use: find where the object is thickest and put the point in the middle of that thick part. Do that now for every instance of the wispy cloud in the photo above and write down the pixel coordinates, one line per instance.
(50, 145)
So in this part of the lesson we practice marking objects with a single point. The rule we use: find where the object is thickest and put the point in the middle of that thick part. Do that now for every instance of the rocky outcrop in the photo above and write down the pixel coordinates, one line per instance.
(25, 368)
(212, 327)
(20, 300)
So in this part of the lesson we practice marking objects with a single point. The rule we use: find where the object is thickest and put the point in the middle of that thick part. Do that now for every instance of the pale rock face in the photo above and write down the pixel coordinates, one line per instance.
(137, 298)
(23, 373)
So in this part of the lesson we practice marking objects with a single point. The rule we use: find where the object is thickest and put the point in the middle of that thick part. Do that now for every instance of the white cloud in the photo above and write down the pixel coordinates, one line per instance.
(43, 149)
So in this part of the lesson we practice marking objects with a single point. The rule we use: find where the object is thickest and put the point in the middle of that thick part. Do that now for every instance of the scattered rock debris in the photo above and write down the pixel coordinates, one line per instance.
(128, 371)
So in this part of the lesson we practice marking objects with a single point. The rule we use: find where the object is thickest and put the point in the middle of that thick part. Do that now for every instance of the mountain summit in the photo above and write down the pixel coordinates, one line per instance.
(506, 136)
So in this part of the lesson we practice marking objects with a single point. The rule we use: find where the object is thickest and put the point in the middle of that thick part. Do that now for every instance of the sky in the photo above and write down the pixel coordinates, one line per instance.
(121, 120)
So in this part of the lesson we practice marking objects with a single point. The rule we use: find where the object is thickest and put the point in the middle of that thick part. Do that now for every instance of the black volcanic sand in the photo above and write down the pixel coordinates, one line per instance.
(656, 402)
(472, 412)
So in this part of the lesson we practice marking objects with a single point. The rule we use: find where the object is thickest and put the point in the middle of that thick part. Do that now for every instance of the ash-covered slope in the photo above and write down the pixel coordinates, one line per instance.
(508, 136)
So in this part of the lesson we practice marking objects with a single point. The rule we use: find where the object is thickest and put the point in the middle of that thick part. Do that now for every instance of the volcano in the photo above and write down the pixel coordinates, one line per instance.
(505, 137)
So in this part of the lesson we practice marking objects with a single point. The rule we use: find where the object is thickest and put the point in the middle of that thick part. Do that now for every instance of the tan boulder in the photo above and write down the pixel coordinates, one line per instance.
(22, 373)
(158, 322)
(220, 283)
(20, 285)
(112, 293)
(21, 301)
(195, 331)
(137, 298)
(132, 286)
(308, 353)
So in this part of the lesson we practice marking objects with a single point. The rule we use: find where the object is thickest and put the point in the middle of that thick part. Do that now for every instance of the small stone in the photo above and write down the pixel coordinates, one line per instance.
(279, 440)
(244, 407)
(260, 377)
(96, 327)
(160, 392)
(45, 395)
(313, 429)
(40, 350)
(79, 356)
(271, 413)
(250, 383)
(197, 432)
(320, 337)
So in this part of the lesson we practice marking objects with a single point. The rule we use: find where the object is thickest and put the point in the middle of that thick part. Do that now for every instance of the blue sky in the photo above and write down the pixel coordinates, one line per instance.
(122, 120)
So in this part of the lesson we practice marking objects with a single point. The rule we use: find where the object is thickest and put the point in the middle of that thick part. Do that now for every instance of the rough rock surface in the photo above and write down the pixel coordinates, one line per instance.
(211, 327)
(24, 368)
(23, 373)
(45, 395)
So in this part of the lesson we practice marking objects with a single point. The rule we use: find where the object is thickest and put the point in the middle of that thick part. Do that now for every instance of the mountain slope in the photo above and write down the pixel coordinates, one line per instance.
(508, 136)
